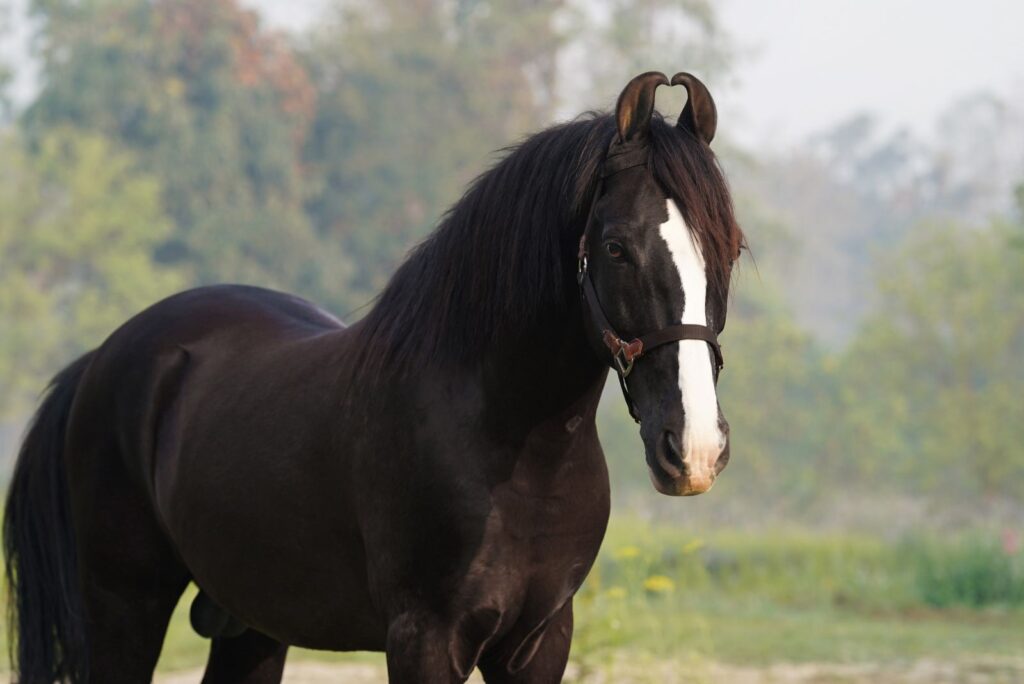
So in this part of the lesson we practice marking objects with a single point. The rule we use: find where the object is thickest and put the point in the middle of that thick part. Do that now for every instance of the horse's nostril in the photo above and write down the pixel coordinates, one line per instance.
(670, 456)
(673, 445)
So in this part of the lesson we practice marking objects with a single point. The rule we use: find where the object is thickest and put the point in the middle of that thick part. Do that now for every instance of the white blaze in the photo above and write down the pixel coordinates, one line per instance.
(702, 440)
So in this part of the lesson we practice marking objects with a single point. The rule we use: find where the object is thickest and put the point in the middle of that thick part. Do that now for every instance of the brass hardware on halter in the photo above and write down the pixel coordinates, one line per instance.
(625, 367)
(623, 353)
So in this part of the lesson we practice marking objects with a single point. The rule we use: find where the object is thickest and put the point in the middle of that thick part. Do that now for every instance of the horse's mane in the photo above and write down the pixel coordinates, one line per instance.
(503, 256)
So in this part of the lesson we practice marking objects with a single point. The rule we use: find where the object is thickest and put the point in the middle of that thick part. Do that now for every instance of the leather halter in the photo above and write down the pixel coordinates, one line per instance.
(622, 156)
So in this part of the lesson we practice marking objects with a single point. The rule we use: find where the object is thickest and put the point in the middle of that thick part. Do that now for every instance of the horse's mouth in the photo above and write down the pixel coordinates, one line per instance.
(673, 475)
(682, 486)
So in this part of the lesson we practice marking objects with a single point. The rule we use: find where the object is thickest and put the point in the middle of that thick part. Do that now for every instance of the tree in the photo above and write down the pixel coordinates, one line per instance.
(930, 392)
(78, 225)
(5, 70)
(214, 107)
(412, 98)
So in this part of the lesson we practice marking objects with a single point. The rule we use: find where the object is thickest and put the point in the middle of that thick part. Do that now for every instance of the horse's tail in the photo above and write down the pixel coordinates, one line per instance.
(44, 599)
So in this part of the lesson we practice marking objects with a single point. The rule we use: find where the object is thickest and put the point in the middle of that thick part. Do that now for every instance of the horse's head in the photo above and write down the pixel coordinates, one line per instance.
(655, 264)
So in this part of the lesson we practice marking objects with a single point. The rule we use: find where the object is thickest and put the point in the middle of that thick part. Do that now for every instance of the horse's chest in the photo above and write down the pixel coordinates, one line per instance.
(537, 548)
(545, 540)
(549, 525)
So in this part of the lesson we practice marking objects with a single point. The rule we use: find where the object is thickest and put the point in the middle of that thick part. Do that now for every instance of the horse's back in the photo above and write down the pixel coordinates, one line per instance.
(143, 366)
(226, 311)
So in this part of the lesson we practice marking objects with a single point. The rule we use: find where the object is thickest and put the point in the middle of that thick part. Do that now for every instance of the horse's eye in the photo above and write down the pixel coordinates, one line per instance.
(614, 250)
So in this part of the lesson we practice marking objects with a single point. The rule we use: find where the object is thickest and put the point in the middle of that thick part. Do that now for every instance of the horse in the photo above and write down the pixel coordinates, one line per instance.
(428, 481)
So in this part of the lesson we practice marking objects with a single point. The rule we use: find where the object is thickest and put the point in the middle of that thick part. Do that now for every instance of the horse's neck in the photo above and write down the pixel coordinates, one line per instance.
(547, 378)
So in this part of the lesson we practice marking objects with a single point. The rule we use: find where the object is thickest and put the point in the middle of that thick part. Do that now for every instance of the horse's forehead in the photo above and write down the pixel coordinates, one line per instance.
(633, 197)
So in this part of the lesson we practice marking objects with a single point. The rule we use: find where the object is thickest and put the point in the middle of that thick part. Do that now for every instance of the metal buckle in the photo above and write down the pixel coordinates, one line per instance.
(625, 366)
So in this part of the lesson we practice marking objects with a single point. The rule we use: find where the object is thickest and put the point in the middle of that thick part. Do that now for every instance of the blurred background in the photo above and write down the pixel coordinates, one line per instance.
(869, 527)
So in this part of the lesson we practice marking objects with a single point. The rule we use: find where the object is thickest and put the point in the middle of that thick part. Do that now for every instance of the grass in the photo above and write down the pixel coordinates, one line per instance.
(797, 597)
(972, 572)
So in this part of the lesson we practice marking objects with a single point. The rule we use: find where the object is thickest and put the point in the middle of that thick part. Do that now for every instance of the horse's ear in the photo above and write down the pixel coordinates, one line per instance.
(636, 104)
(699, 115)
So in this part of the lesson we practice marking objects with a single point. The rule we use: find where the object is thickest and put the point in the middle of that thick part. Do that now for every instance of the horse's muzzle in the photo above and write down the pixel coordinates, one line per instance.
(674, 474)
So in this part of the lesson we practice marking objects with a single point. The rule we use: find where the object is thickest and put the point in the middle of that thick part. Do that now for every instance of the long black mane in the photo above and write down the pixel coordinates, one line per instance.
(503, 257)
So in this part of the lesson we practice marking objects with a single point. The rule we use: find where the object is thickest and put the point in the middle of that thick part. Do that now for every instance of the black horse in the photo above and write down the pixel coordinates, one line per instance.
(428, 481)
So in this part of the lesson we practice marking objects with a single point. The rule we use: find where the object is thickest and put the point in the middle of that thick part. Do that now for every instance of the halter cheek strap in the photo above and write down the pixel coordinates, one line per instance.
(624, 354)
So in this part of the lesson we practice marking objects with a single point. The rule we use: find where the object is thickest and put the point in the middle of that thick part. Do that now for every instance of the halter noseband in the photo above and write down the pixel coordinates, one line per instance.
(622, 156)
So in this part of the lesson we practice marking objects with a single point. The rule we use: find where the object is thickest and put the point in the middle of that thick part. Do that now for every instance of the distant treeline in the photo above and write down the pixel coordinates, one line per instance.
(180, 142)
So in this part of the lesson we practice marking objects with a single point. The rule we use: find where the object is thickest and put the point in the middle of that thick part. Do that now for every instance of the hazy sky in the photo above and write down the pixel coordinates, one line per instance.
(815, 62)
(808, 64)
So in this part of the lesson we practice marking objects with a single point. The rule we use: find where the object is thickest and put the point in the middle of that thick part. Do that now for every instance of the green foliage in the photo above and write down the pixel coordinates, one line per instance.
(774, 391)
(215, 108)
(777, 596)
(78, 226)
(930, 387)
(974, 572)
(6, 73)
(788, 568)
(1017, 239)
(411, 101)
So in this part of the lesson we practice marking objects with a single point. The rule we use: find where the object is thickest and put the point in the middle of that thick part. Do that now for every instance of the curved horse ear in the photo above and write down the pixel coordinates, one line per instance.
(636, 104)
(699, 116)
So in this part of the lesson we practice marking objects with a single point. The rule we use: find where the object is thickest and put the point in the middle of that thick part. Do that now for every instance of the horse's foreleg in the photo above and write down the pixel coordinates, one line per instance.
(250, 658)
(417, 651)
(540, 660)
(424, 649)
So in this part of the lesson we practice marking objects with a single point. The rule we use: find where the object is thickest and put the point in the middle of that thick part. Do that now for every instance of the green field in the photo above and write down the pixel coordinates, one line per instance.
(663, 598)
(795, 597)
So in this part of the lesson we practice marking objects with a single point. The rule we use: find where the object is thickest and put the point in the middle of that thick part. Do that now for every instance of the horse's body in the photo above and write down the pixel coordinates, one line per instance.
(426, 482)
(265, 474)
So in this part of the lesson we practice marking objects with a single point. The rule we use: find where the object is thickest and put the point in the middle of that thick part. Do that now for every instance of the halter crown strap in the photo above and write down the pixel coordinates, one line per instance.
(624, 156)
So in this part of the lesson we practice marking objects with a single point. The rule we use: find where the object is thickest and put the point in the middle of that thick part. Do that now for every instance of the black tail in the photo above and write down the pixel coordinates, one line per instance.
(45, 604)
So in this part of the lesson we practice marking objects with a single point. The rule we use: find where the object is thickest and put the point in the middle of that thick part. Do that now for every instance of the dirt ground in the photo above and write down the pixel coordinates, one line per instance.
(1003, 671)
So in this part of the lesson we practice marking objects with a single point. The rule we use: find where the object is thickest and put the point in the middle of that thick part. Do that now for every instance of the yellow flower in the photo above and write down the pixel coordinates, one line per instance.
(627, 552)
(616, 593)
(659, 584)
(692, 546)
